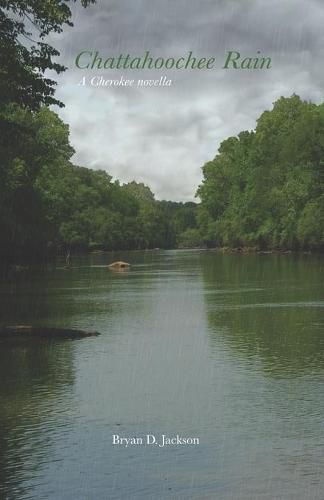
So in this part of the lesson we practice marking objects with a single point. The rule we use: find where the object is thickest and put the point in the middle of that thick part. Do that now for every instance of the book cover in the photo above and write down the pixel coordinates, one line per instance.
(161, 250)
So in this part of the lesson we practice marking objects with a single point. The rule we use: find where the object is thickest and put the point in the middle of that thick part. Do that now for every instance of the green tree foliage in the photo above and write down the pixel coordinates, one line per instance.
(85, 209)
(40, 142)
(31, 137)
(24, 53)
(47, 204)
(140, 192)
(190, 238)
(266, 187)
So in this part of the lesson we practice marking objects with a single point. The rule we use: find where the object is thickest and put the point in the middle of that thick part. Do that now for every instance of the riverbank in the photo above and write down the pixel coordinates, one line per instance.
(256, 250)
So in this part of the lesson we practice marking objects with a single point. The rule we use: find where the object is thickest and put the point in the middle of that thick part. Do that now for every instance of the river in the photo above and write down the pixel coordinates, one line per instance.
(228, 349)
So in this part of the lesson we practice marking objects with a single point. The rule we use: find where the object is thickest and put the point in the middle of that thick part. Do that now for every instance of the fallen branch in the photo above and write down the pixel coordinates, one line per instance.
(40, 331)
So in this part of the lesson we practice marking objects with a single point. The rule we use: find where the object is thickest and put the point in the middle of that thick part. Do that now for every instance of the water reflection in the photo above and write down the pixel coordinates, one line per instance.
(77, 296)
(268, 309)
(225, 347)
(35, 379)
(37, 392)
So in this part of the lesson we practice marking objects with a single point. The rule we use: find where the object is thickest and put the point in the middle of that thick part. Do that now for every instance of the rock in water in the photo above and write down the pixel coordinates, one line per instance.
(119, 265)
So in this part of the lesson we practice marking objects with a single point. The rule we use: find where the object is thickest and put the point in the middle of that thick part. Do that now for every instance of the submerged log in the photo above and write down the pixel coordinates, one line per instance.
(40, 331)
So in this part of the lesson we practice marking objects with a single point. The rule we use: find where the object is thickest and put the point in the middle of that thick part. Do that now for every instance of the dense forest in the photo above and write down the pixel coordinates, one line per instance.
(47, 204)
(264, 189)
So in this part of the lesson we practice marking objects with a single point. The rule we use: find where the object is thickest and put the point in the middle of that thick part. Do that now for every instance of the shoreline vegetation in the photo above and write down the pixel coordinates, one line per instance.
(263, 190)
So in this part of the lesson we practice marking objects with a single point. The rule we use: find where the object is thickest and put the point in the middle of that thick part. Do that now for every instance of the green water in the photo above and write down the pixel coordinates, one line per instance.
(226, 348)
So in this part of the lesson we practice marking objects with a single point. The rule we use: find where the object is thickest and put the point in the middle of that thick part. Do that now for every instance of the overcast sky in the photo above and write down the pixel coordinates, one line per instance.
(162, 136)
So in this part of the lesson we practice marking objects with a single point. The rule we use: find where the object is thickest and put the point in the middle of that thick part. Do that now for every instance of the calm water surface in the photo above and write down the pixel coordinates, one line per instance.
(226, 348)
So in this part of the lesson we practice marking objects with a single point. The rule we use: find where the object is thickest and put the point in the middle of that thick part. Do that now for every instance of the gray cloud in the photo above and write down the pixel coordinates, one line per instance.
(162, 136)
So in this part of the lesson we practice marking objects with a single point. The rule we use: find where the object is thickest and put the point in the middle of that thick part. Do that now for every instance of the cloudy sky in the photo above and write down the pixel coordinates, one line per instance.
(162, 136)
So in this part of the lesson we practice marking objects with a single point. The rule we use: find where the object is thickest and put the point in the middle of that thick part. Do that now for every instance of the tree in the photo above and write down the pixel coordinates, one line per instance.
(41, 142)
(31, 137)
(24, 53)
(265, 186)
(140, 192)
